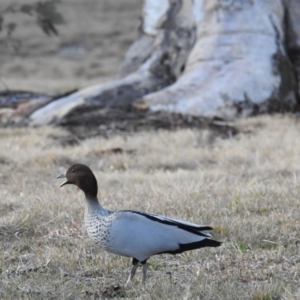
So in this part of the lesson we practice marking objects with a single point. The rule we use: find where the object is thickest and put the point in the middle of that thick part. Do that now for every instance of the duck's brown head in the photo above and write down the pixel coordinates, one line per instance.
(83, 177)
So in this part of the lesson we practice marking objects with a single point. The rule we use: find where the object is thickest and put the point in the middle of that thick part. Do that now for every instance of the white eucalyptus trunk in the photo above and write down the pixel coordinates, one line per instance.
(238, 65)
(214, 58)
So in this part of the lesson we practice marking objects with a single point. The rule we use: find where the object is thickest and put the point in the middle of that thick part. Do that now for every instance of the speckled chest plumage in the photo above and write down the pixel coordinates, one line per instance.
(98, 222)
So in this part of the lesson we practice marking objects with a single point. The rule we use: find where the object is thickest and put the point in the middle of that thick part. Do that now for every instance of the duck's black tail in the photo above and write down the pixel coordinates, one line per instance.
(195, 245)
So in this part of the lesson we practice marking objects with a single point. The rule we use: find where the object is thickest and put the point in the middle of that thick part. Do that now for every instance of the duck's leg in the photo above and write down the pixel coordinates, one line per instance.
(132, 272)
(144, 264)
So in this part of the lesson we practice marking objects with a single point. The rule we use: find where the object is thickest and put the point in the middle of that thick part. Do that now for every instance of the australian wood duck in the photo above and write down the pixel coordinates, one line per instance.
(133, 233)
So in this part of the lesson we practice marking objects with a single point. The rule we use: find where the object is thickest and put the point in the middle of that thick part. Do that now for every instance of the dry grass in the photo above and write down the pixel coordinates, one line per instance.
(247, 187)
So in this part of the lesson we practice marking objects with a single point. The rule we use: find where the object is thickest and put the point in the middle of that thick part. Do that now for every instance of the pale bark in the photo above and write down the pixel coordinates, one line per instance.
(238, 65)
(153, 62)
(216, 58)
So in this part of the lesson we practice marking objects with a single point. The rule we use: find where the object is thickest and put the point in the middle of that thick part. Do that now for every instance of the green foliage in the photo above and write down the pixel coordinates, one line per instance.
(242, 247)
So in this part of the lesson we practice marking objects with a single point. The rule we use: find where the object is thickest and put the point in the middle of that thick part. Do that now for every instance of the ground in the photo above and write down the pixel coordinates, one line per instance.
(243, 181)
(246, 186)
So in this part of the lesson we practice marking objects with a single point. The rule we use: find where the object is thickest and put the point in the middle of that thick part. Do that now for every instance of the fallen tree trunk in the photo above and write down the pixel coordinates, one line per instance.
(153, 62)
(205, 58)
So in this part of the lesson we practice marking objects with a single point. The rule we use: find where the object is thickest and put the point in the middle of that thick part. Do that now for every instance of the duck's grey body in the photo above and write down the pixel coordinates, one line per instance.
(139, 235)
(132, 233)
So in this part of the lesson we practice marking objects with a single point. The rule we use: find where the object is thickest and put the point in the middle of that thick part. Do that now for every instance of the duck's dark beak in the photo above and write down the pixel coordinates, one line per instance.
(62, 176)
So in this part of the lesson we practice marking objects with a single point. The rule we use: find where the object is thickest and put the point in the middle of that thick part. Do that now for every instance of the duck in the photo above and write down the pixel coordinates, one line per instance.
(135, 234)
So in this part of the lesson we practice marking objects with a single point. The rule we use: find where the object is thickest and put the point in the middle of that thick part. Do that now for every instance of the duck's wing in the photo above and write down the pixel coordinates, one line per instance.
(141, 235)
(188, 226)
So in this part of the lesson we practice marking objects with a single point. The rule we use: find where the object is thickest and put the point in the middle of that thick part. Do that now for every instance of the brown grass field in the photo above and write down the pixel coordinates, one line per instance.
(246, 186)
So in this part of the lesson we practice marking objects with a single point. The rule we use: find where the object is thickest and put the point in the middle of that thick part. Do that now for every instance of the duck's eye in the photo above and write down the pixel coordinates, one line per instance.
(73, 170)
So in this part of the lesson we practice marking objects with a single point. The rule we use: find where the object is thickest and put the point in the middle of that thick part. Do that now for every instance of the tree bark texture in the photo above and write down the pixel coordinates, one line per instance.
(213, 58)
(238, 66)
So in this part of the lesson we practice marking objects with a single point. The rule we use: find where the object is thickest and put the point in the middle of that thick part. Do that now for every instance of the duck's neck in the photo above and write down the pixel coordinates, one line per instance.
(92, 200)
(93, 206)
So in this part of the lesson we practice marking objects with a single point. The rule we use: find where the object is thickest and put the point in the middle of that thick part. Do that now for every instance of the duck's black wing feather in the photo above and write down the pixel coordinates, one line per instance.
(190, 227)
